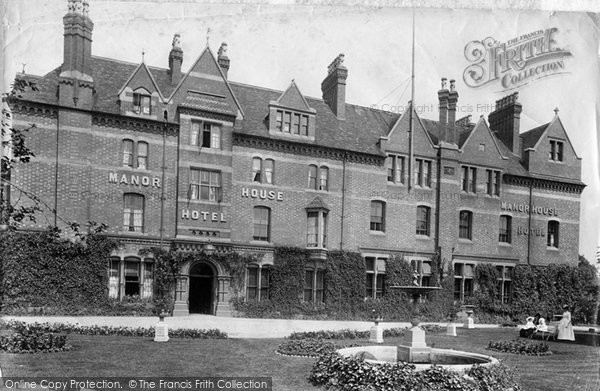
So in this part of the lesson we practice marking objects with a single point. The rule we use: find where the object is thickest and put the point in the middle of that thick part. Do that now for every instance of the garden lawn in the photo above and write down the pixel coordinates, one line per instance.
(571, 367)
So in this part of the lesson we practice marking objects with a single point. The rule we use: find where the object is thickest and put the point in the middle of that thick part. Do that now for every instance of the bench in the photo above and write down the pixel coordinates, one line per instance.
(552, 333)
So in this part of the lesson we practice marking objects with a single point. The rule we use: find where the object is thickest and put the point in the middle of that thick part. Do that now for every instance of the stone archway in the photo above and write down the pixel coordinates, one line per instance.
(202, 287)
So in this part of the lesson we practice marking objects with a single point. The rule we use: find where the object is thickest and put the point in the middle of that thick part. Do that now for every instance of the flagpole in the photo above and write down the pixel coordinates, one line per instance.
(411, 106)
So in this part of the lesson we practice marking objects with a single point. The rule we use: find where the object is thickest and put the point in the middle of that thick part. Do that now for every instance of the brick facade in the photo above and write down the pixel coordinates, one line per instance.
(79, 169)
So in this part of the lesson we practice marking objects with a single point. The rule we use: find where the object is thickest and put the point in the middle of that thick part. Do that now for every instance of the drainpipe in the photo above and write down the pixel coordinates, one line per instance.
(162, 181)
(56, 168)
(529, 222)
(438, 194)
(343, 201)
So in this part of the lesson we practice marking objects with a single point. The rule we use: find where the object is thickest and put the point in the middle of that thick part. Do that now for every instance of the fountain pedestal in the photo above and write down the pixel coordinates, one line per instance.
(414, 349)
(376, 332)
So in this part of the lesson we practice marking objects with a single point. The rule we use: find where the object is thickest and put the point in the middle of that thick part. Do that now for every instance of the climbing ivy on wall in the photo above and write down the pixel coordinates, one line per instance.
(344, 283)
(287, 279)
(42, 269)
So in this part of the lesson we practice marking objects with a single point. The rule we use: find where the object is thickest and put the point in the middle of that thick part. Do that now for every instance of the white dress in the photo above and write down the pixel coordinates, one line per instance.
(565, 328)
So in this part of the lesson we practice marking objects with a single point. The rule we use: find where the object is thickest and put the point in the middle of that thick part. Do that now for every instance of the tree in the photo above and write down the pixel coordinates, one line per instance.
(13, 151)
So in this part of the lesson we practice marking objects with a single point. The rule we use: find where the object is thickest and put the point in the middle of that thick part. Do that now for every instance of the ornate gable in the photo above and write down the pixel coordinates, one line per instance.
(206, 89)
(140, 95)
(290, 116)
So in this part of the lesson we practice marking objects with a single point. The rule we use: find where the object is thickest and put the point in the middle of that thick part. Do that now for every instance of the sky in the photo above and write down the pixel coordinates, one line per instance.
(271, 44)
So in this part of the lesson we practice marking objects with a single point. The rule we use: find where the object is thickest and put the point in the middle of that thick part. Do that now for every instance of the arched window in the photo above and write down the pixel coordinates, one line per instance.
(142, 155)
(553, 228)
(133, 212)
(323, 178)
(312, 176)
(128, 153)
(256, 169)
(377, 216)
(268, 169)
(505, 234)
(465, 225)
(262, 223)
(423, 216)
(263, 170)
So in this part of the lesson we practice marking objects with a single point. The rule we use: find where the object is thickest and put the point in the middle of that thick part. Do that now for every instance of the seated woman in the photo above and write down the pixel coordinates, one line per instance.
(542, 326)
(528, 329)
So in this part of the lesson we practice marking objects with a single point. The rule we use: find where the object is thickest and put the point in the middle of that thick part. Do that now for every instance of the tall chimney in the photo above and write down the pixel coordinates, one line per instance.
(222, 59)
(505, 120)
(175, 59)
(76, 83)
(452, 100)
(443, 111)
(334, 87)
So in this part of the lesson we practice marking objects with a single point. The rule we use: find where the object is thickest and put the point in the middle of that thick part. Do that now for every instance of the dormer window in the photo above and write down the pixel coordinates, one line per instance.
(293, 123)
(141, 104)
(556, 150)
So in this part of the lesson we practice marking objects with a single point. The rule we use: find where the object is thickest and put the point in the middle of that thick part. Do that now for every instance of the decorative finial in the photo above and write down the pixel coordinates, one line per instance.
(23, 71)
(207, 36)
(444, 83)
(556, 111)
(78, 7)
(143, 54)
(452, 84)
(223, 50)
(71, 6)
(176, 41)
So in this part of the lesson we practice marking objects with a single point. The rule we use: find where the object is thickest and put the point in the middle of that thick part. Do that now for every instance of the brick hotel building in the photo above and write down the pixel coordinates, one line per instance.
(199, 161)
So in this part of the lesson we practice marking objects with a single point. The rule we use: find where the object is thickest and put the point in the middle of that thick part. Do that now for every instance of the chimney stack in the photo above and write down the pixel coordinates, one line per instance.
(76, 83)
(334, 87)
(222, 59)
(443, 95)
(452, 100)
(175, 59)
(505, 120)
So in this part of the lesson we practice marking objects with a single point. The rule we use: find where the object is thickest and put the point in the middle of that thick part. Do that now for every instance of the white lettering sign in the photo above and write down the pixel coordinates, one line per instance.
(216, 217)
(133, 180)
(262, 194)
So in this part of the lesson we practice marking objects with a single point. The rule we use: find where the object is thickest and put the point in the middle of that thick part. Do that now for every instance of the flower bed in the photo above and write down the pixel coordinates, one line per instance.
(334, 372)
(33, 340)
(309, 347)
(520, 347)
(345, 334)
(69, 328)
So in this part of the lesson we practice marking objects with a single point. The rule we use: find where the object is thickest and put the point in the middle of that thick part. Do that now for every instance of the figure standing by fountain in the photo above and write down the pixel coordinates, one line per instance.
(565, 327)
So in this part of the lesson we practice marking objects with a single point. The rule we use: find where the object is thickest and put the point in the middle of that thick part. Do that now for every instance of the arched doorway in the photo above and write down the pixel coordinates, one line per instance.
(202, 283)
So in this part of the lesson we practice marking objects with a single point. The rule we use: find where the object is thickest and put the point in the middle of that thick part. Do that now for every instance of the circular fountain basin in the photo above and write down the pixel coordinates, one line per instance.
(454, 360)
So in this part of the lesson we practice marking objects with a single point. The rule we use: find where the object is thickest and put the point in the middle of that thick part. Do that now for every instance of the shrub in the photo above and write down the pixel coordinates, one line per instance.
(69, 328)
(309, 347)
(344, 334)
(520, 346)
(332, 371)
(33, 340)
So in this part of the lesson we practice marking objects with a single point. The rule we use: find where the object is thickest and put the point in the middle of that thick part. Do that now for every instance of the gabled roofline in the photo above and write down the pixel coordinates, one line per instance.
(207, 48)
(293, 84)
(142, 64)
(397, 125)
(424, 129)
(482, 120)
(554, 120)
